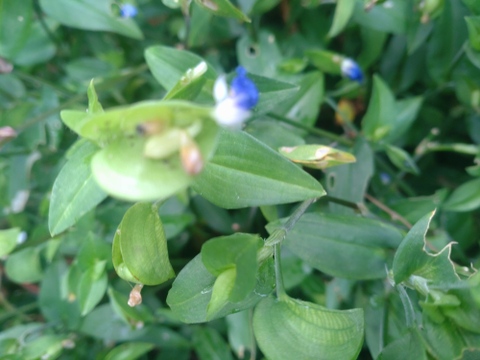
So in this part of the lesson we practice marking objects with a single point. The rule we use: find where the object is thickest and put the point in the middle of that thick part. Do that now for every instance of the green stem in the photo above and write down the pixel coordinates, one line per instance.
(51, 112)
(279, 286)
(312, 130)
(467, 149)
(407, 306)
(276, 239)
(13, 311)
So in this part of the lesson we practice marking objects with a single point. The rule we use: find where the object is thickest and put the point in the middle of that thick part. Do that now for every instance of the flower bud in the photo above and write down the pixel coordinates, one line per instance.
(163, 145)
(190, 155)
(135, 297)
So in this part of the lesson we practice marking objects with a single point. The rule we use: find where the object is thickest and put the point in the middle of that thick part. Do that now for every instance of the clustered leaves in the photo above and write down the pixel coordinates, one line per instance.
(249, 179)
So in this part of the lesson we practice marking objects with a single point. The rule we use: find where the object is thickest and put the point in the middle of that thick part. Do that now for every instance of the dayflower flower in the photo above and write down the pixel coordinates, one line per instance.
(351, 70)
(233, 106)
(128, 11)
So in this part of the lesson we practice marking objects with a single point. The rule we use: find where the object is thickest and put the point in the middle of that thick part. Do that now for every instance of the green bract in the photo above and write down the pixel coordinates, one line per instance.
(140, 159)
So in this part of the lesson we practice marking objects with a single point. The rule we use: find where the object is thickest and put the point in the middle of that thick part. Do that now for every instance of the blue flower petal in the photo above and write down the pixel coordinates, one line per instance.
(351, 70)
(244, 91)
(128, 11)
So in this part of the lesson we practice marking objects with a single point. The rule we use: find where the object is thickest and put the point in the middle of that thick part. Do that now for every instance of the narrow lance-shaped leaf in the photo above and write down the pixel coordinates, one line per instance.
(343, 12)
(75, 191)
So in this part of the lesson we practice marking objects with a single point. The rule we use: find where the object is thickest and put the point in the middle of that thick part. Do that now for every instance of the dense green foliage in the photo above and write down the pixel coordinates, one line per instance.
(145, 216)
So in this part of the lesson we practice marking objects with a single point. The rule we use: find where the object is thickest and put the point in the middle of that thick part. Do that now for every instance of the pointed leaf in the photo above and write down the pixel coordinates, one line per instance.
(464, 198)
(168, 65)
(191, 292)
(412, 258)
(238, 252)
(343, 12)
(380, 116)
(223, 8)
(75, 191)
(99, 14)
(245, 172)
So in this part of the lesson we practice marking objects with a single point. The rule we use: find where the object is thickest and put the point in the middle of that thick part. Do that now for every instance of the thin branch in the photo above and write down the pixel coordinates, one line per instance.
(312, 130)
(393, 214)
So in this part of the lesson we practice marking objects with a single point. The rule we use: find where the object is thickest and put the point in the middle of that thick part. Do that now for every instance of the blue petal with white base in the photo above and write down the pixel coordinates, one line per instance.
(351, 70)
(233, 106)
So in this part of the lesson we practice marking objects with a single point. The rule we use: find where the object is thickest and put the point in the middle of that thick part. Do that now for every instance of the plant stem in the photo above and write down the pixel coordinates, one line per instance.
(312, 130)
(279, 287)
(276, 239)
(393, 214)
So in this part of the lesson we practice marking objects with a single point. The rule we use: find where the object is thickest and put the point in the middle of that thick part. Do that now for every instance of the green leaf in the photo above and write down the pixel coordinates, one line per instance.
(237, 252)
(345, 246)
(444, 45)
(91, 288)
(295, 329)
(46, 346)
(412, 258)
(391, 19)
(350, 181)
(190, 84)
(272, 93)
(99, 14)
(259, 56)
(24, 266)
(473, 24)
(129, 351)
(464, 198)
(169, 65)
(94, 105)
(74, 192)
(53, 300)
(401, 159)
(381, 113)
(222, 288)
(410, 343)
(343, 12)
(141, 247)
(191, 292)
(15, 26)
(240, 333)
(223, 8)
(406, 113)
(8, 240)
(304, 105)
(245, 172)
(209, 345)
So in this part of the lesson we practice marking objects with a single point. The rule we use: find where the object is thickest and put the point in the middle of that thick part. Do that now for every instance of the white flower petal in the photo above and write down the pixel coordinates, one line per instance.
(220, 89)
(227, 114)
